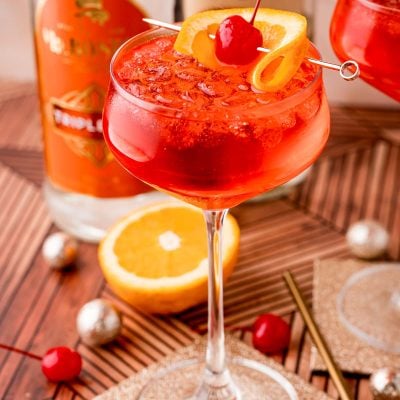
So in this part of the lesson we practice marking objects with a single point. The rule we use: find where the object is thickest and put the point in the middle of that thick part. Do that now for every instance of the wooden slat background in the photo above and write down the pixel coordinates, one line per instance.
(356, 177)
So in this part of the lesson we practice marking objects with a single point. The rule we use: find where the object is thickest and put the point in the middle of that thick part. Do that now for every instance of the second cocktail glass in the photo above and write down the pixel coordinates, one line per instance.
(368, 31)
(209, 139)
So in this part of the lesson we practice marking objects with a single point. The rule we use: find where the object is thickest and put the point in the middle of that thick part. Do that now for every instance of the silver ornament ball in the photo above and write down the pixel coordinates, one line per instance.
(60, 250)
(367, 239)
(98, 322)
(385, 384)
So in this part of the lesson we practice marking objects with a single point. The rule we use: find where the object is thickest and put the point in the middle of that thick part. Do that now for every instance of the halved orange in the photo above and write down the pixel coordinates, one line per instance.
(156, 258)
(284, 34)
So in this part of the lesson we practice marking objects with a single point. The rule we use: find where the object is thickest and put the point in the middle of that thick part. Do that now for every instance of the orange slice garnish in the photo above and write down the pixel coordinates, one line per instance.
(284, 34)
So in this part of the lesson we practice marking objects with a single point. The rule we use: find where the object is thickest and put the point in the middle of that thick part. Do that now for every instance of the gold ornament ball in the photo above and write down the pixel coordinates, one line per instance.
(60, 250)
(98, 322)
(367, 239)
(385, 384)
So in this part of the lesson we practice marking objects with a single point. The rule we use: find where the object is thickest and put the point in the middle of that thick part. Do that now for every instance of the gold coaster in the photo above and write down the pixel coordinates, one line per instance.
(351, 353)
(130, 388)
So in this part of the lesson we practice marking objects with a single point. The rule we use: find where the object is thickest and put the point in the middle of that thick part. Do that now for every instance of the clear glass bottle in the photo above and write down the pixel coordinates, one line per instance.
(86, 190)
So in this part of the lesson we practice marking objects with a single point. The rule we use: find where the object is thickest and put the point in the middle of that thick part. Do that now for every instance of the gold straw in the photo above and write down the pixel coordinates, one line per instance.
(317, 338)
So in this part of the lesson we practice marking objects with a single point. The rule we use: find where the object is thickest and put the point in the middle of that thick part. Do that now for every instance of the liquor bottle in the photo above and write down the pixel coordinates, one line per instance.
(86, 190)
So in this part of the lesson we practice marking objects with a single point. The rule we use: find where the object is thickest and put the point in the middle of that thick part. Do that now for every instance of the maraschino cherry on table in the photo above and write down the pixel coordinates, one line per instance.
(270, 333)
(59, 364)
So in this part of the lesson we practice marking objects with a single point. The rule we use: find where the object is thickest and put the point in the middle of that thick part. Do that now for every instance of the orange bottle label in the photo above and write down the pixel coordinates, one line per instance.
(75, 40)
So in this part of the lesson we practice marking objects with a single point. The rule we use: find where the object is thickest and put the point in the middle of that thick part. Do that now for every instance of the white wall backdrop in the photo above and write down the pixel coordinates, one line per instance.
(16, 46)
(16, 43)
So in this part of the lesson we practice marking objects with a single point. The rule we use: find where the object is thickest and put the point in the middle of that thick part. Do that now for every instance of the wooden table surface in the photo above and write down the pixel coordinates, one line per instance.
(356, 177)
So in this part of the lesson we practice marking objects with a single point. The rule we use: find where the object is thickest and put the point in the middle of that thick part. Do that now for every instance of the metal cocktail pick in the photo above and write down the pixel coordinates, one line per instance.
(345, 69)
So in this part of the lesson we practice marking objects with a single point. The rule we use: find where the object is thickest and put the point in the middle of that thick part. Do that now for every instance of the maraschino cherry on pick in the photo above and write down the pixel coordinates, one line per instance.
(236, 40)
(59, 364)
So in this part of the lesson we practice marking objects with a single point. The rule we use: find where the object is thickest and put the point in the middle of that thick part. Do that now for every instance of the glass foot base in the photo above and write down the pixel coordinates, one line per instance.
(369, 306)
(251, 381)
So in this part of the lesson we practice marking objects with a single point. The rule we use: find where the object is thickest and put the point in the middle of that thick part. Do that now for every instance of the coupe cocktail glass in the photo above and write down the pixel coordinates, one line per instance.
(207, 138)
(368, 31)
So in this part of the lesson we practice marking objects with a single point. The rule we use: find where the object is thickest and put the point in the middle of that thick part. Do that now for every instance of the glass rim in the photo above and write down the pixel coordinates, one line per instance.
(380, 7)
(265, 109)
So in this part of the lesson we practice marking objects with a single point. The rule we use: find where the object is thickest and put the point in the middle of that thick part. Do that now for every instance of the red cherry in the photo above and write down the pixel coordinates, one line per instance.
(61, 364)
(237, 41)
(271, 334)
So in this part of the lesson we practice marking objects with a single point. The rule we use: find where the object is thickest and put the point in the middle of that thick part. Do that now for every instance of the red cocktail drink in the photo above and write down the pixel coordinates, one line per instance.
(205, 135)
(368, 31)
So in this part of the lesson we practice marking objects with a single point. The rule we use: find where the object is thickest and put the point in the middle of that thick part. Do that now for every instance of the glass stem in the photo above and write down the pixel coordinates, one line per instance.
(215, 356)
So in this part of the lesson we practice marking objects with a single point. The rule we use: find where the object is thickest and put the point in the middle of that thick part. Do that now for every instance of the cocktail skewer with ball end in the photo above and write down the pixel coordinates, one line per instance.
(348, 70)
